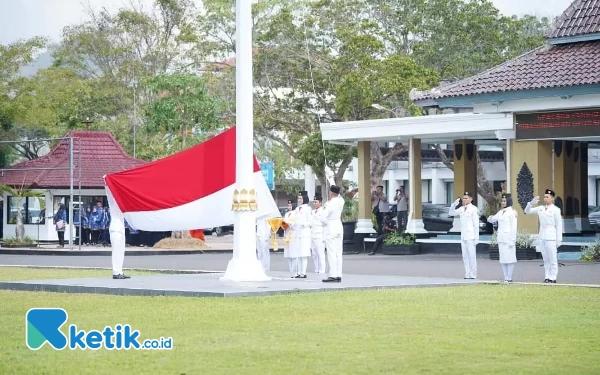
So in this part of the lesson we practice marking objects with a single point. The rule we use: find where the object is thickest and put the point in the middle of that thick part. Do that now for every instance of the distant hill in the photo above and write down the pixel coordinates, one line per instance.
(43, 61)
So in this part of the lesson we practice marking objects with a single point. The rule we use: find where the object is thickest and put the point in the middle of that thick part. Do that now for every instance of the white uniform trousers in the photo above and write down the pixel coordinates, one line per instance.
(548, 250)
(263, 252)
(335, 248)
(469, 258)
(318, 254)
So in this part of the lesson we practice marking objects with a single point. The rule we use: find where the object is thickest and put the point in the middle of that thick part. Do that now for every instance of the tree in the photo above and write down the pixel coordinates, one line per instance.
(13, 57)
(181, 105)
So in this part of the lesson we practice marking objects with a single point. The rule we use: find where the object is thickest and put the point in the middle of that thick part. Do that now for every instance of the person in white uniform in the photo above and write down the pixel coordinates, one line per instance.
(302, 233)
(316, 235)
(288, 238)
(469, 232)
(550, 234)
(263, 235)
(334, 233)
(506, 236)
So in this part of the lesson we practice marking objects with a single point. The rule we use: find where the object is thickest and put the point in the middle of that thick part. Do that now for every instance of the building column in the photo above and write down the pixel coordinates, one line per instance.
(530, 175)
(364, 226)
(582, 189)
(465, 173)
(564, 181)
(415, 207)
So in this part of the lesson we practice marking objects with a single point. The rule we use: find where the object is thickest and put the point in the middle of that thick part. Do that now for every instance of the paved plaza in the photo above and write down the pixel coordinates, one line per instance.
(426, 265)
(210, 285)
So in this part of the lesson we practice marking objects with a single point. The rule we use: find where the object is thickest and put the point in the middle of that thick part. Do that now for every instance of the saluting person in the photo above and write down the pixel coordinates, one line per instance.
(550, 233)
(334, 233)
(506, 236)
(317, 237)
(469, 232)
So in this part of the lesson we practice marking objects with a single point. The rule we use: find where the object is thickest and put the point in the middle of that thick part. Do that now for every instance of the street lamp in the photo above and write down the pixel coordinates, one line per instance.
(87, 121)
(382, 108)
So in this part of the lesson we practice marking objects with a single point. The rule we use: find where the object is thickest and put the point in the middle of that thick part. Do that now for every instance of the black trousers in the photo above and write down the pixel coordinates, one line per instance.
(379, 218)
(86, 236)
(95, 236)
(379, 242)
(61, 238)
(402, 219)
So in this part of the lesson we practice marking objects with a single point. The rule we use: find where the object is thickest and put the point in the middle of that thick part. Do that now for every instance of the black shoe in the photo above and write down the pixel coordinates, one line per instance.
(338, 279)
(371, 253)
(553, 281)
(546, 281)
(301, 277)
(121, 277)
(330, 280)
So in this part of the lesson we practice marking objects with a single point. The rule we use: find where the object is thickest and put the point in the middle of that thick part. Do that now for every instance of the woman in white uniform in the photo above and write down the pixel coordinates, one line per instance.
(506, 236)
(302, 224)
(288, 238)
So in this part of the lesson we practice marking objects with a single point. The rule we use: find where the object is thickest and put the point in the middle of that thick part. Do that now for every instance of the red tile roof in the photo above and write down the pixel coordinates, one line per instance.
(100, 154)
(549, 66)
(581, 17)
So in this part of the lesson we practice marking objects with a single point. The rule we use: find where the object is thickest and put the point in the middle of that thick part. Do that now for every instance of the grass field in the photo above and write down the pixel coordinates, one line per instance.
(486, 329)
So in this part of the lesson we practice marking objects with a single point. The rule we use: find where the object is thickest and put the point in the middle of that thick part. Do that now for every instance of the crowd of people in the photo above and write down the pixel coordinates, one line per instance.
(94, 221)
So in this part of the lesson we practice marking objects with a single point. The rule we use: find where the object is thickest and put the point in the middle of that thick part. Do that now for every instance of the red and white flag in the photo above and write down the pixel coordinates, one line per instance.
(192, 189)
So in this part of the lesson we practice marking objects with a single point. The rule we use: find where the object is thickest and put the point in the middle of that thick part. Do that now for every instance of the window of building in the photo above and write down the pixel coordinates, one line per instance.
(426, 191)
(32, 209)
(449, 187)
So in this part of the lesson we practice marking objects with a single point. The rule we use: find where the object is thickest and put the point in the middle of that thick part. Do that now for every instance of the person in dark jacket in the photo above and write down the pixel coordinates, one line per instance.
(389, 227)
(60, 221)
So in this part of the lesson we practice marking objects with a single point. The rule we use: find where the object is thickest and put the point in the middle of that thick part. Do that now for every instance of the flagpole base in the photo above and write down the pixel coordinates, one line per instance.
(240, 270)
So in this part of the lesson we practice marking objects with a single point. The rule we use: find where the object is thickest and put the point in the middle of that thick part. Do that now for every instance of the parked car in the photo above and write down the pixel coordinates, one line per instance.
(219, 231)
(436, 219)
(594, 217)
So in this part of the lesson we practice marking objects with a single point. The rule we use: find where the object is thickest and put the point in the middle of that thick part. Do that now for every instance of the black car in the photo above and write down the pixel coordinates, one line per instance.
(436, 219)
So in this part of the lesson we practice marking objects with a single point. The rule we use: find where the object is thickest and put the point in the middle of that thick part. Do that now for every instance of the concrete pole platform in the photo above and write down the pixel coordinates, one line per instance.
(210, 285)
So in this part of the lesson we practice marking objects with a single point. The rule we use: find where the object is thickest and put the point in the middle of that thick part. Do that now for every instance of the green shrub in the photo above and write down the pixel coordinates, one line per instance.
(591, 252)
(402, 238)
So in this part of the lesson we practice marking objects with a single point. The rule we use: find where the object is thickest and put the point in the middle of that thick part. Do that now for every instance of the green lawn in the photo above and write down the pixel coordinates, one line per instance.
(483, 330)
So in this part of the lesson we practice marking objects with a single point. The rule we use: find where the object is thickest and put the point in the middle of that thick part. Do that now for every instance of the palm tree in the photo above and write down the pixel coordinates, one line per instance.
(20, 193)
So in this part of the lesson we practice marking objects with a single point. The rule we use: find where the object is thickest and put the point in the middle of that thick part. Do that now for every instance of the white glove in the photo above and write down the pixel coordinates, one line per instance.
(535, 201)
(456, 202)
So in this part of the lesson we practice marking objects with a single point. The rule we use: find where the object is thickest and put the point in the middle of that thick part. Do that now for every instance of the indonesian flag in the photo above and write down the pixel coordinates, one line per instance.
(189, 190)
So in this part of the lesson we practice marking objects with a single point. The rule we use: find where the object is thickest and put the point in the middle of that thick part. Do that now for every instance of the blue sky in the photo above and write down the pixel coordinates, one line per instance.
(28, 18)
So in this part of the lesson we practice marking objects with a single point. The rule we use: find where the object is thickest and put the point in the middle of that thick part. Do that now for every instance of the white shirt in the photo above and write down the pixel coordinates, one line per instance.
(507, 225)
(317, 224)
(469, 221)
(551, 225)
(303, 221)
(332, 216)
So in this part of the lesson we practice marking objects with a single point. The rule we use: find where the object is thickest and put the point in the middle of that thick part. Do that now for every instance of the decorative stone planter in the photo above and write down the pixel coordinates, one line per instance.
(19, 245)
(400, 249)
(349, 227)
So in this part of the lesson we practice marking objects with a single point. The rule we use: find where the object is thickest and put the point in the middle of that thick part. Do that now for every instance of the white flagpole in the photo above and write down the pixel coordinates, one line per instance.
(244, 266)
